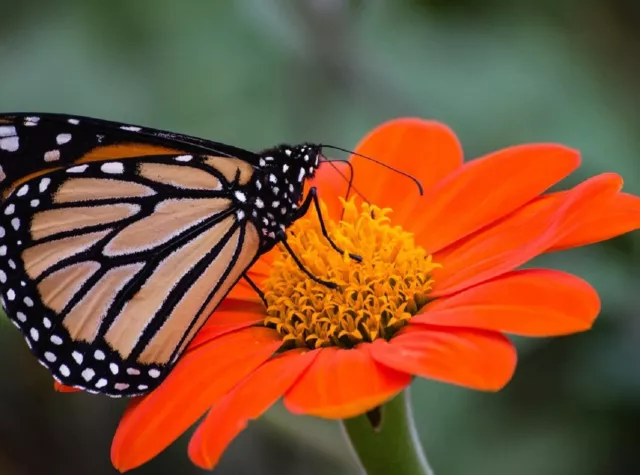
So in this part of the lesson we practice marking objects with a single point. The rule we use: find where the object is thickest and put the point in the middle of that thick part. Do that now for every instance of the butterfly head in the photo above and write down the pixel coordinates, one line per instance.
(297, 162)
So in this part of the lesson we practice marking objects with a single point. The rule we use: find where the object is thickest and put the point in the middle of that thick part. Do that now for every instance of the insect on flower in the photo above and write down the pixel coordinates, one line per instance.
(117, 242)
(436, 291)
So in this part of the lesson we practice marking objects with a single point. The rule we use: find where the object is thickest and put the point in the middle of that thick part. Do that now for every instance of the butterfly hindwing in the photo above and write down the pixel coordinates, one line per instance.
(109, 268)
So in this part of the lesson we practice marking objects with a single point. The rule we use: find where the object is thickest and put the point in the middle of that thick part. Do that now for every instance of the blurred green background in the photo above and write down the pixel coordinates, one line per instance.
(258, 72)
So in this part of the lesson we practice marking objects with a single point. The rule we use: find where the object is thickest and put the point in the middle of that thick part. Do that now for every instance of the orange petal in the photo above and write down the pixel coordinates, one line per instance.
(231, 315)
(332, 182)
(61, 388)
(246, 402)
(472, 358)
(427, 150)
(517, 238)
(201, 379)
(344, 383)
(244, 292)
(619, 215)
(532, 302)
(487, 189)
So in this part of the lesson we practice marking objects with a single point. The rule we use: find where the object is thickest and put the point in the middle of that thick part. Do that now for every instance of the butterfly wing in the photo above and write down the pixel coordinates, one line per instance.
(35, 143)
(109, 268)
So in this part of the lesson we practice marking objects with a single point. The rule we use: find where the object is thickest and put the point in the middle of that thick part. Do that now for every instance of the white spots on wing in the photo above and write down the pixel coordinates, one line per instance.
(15, 223)
(28, 302)
(73, 121)
(21, 316)
(268, 159)
(31, 121)
(101, 383)
(240, 215)
(7, 131)
(306, 158)
(258, 185)
(64, 370)
(23, 190)
(131, 128)
(2, 232)
(184, 158)
(114, 368)
(77, 357)
(121, 386)
(10, 144)
(62, 139)
(154, 373)
(46, 322)
(9, 209)
(262, 162)
(112, 167)
(3, 250)
(142, 387)
(9, 140)
(275, 204)
(301, 174)
(12, 264)
(78, 169)
(11, 295)
(35, 335)
(99, 355)
(259, 203)
(87, 374)
(50, 357)
(3, 277)
(56, 340)
(285, 167)
(34, 203)
(273, 178)
(240, 196)
(133, 371)
(44, 184)
(52, 155)
(287, 152)
(3, 175)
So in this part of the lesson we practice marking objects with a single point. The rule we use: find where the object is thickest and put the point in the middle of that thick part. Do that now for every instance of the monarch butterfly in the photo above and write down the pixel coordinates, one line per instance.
(117, 241)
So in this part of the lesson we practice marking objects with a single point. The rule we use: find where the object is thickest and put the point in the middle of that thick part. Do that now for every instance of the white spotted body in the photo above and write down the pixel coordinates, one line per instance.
(278, 187)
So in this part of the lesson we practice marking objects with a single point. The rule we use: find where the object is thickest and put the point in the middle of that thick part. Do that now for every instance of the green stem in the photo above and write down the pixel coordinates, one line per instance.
(392, 446)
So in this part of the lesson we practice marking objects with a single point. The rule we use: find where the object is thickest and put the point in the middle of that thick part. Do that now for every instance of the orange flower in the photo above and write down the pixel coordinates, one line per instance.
(436, 291)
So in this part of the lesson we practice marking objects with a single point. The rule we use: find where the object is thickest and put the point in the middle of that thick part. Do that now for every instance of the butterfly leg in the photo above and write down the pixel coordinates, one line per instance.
(312, 197)
(260, 293)
(282, 237)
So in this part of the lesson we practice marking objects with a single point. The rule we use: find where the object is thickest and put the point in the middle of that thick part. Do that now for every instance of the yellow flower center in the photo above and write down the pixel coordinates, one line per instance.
(375, 298)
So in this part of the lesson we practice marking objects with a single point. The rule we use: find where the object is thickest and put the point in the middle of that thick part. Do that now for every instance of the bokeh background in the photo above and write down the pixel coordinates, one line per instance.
(258, 72)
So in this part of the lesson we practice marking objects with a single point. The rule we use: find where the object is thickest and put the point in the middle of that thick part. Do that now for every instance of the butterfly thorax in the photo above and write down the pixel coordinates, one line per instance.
(277, 188)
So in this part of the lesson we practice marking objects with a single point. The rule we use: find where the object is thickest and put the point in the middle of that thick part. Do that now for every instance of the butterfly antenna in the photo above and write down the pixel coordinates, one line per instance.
(389, 167)
(349, 180)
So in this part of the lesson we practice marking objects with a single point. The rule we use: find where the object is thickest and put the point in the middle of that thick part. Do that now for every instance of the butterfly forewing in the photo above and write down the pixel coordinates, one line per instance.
(37, 143)
(109, 268)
